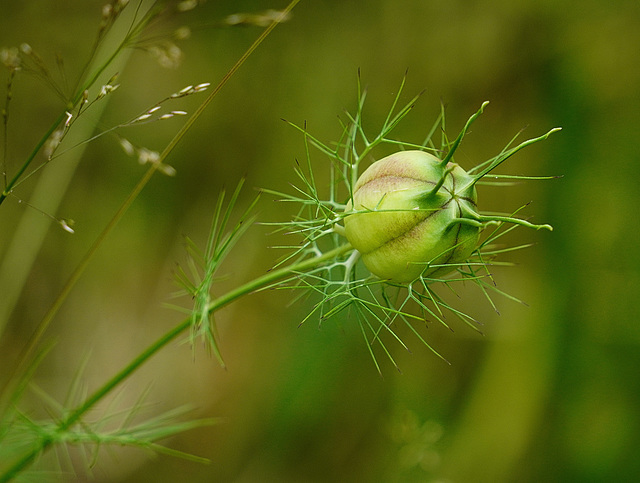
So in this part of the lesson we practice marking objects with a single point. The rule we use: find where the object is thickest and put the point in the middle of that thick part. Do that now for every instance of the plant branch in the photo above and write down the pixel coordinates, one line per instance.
(222, 301)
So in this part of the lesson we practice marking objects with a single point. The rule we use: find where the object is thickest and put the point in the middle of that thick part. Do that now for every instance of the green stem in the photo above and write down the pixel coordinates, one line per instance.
(440, 182)
(7, 190)
(276, 275)
(249, 287)
(482, 221)
(517, 221)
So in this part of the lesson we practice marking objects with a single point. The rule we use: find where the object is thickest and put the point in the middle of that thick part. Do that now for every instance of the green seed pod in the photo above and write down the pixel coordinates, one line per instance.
(413, 215)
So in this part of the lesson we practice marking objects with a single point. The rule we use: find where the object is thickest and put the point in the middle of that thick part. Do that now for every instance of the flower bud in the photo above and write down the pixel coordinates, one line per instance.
(411, 215)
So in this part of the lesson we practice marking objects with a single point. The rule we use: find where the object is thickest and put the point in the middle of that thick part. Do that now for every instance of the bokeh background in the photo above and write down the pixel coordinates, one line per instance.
(550, 392)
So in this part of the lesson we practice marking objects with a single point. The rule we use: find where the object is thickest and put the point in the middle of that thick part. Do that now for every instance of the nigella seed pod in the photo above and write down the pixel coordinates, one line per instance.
(413, 215)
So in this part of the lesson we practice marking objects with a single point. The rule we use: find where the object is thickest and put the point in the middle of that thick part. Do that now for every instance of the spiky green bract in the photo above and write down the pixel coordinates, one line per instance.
(204, 266)
(374, 213)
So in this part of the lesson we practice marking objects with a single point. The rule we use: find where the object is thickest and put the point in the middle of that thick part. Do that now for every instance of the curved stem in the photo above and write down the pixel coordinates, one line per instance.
(516, 221)
(483, 220)
(249, 287)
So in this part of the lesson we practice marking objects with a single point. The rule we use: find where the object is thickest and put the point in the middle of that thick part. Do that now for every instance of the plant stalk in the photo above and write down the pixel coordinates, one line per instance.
(222, 301)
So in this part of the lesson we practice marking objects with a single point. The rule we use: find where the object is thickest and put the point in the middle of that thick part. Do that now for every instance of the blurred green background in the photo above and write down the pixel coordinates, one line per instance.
(550, 392)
